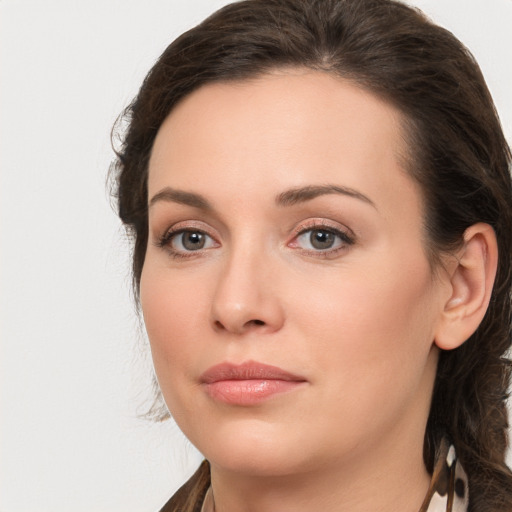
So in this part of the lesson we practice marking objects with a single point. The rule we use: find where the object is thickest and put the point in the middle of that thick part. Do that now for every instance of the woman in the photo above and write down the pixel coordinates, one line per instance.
(319, 195)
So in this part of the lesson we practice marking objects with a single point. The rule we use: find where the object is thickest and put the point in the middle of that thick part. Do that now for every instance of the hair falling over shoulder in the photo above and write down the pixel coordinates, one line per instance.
(457, 154)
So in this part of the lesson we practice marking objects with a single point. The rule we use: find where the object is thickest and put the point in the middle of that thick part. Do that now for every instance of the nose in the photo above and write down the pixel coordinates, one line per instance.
(246, 297)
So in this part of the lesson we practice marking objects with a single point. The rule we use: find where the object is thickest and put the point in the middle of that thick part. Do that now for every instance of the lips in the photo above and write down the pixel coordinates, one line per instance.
(249, 383)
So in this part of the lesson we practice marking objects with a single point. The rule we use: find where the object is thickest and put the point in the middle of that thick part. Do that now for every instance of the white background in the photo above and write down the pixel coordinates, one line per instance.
(72, 367)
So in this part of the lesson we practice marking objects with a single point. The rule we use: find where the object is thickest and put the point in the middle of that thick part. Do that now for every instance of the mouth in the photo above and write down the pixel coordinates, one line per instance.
(249, 383)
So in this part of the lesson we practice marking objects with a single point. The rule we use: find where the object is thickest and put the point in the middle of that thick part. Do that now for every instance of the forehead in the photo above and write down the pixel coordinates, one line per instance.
(280, 130)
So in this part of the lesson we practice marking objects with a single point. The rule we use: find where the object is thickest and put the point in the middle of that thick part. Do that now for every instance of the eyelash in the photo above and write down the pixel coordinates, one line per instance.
(347, 239)
(165, 241)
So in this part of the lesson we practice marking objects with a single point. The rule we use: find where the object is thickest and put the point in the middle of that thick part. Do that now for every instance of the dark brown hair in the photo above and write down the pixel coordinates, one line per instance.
(458, 155)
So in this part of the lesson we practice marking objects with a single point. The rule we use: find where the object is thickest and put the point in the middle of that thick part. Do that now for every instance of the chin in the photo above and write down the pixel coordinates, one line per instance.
(253, 448)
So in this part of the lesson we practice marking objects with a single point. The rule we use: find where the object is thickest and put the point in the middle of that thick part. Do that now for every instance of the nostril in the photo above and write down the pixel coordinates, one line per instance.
(219, 326)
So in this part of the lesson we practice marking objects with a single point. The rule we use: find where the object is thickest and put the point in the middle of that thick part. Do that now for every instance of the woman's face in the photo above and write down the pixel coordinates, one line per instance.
(288, 299)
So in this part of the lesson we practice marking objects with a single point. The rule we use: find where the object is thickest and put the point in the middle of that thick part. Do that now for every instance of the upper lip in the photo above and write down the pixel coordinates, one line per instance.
(250, 370)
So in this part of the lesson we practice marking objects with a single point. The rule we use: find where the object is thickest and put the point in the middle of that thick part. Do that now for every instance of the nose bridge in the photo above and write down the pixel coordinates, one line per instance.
(245, 297)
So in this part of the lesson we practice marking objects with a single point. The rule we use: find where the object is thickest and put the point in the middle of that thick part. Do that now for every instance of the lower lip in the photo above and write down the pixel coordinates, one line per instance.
(249, 392)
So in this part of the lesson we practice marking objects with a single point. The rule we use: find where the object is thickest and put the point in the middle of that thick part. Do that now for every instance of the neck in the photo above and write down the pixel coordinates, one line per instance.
(391, 478)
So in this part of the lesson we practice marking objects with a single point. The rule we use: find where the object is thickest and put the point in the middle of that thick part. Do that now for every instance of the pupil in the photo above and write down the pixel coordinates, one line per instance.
(321, 239)
(193, 241)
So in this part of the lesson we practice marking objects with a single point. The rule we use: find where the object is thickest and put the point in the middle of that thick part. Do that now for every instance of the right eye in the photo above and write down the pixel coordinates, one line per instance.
(187, 241)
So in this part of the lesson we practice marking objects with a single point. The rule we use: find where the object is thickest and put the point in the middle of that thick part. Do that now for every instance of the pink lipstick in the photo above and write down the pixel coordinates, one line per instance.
(248, 383)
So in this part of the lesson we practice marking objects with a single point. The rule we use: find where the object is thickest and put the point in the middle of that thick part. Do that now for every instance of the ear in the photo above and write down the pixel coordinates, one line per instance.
(471, 277)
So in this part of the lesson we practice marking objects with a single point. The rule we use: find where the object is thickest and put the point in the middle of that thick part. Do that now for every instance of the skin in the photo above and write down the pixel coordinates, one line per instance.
(358, 322)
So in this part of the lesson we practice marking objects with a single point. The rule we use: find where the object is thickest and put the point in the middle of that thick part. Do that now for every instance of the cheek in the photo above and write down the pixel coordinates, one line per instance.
(171, 310)
(171, 307)
(371, 338)
(375, 326)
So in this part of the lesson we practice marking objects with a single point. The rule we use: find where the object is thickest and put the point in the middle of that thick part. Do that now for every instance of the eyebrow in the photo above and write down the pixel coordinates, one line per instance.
(287, 198)
(303, 194)
(172, 195)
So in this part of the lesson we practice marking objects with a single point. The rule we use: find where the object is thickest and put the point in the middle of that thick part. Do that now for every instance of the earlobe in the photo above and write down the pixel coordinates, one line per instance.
(471, 279)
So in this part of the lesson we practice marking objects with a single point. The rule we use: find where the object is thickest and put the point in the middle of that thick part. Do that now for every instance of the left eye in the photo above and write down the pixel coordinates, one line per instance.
(321, 239)
(187, 241)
